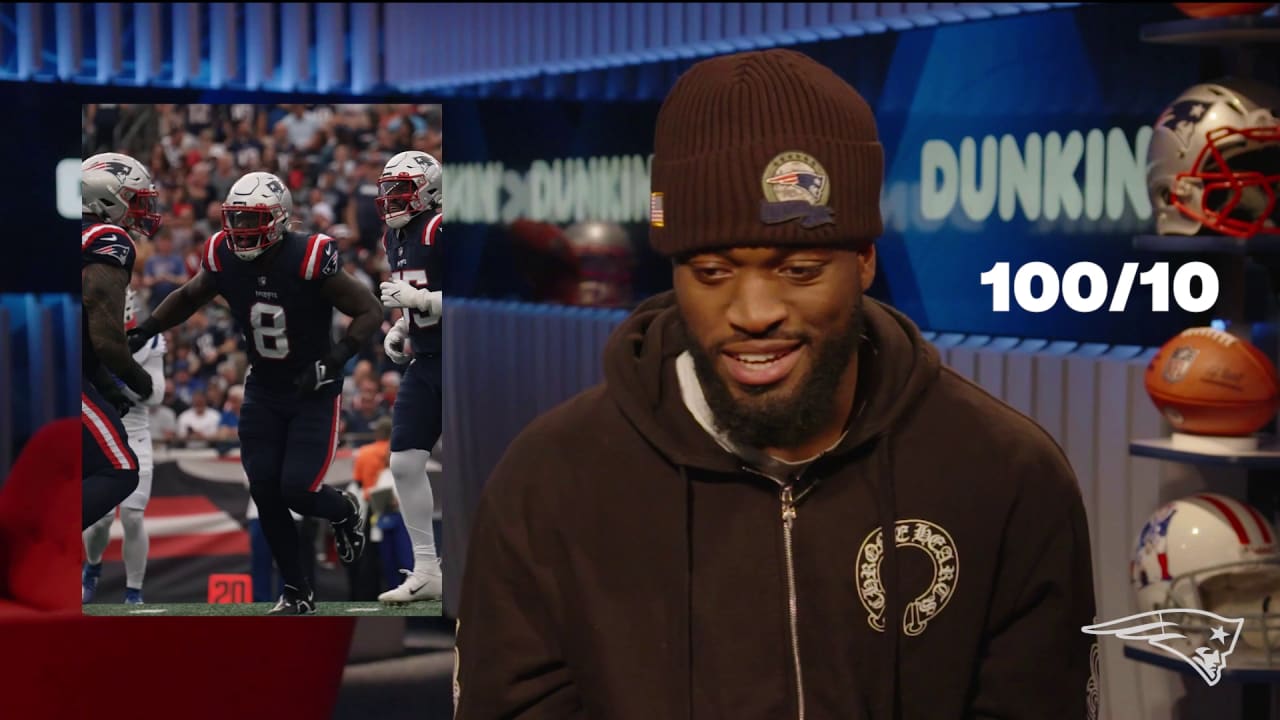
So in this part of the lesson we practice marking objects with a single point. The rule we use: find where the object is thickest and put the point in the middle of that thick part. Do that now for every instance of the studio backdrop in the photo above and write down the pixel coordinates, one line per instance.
(1013, 140)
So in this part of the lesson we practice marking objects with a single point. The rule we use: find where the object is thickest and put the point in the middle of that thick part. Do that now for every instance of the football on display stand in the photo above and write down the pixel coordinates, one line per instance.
(1209, 382)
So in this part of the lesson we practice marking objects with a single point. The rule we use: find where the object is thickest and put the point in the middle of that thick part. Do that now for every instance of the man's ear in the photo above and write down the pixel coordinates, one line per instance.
(867, 265)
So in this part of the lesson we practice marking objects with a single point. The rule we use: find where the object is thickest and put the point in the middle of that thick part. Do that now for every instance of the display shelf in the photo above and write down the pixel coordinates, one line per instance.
(1225, 244)
(1233, 30)
(1242, 665)
(1240, 41)
(1266, 457)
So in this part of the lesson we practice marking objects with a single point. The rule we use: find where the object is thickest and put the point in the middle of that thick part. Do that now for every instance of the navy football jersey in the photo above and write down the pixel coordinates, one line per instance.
(413, 252)
(277, 303)
(106, 244)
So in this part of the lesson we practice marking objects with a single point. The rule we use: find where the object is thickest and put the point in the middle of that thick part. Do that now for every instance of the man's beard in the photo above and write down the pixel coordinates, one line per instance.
(789, 421)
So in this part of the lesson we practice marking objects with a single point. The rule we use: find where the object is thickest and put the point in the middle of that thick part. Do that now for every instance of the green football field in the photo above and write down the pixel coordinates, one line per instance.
(343, 609)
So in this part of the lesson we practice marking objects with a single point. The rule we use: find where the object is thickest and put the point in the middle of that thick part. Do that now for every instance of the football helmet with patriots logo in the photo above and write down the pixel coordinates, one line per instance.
(1213, 165)
(1211, 552)
(411, 183)
(604, 257)
(118, 189)
(256, 213)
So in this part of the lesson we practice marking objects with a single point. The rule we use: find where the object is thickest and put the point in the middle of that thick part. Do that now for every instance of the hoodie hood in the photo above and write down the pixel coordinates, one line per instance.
(896, 366)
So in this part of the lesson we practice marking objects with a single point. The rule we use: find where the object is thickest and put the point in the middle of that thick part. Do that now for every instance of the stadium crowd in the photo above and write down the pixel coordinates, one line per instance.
(330, 156)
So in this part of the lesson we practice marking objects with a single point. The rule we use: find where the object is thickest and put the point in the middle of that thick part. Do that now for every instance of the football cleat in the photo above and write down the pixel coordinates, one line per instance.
(295, 602)
(89, 581)
(349, 534)
(415, 588)
(132, 597)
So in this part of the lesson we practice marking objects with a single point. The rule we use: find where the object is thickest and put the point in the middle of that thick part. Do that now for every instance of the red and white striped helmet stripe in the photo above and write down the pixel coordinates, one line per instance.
(1249, 525)
(1261, 523)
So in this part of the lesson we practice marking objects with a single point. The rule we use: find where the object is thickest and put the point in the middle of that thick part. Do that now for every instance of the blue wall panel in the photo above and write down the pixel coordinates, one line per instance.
(39, 366)
(446, 48)
(1017, 84)
(520, 361)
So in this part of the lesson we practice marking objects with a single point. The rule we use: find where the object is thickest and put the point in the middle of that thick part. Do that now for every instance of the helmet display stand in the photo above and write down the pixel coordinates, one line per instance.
(1246, 46)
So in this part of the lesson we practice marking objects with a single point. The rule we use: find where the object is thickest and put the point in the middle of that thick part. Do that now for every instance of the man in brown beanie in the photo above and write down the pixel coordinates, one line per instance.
(778, 504)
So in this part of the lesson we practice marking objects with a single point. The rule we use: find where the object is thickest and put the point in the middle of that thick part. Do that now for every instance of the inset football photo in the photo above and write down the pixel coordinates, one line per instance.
(262, 385)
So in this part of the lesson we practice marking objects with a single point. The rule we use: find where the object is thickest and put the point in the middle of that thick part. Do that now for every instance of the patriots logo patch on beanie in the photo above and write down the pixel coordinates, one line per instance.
(796, 187)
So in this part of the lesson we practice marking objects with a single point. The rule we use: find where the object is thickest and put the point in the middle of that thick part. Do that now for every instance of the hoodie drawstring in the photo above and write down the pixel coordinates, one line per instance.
(889, 574)
(688, 614)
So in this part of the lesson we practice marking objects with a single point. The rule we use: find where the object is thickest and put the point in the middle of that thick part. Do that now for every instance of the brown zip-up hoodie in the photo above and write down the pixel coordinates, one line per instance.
(624, 565)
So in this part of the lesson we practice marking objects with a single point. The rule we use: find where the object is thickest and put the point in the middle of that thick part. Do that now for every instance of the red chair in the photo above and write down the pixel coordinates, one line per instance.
(39, 525)
(57, 663)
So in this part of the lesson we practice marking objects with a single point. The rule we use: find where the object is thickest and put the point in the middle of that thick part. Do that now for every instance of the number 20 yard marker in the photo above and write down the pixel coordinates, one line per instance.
(1069, 287)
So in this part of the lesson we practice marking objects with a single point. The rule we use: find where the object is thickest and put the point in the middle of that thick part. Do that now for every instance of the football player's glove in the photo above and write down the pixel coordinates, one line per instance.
(141, 335)
(139, 381)
(318, 375)
(114, 395)
(325, 372)
(393, 344)
(397, 293)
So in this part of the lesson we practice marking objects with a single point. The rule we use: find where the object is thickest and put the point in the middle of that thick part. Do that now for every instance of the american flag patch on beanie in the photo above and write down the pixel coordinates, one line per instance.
(655, 210)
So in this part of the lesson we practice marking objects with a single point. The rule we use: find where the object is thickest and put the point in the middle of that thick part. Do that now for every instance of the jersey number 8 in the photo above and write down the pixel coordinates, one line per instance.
(269, 334)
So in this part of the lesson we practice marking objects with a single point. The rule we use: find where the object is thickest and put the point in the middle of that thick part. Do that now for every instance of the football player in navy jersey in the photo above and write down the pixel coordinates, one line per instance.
(410, 202)
(137, 423)
(282, 288)
(117, 198)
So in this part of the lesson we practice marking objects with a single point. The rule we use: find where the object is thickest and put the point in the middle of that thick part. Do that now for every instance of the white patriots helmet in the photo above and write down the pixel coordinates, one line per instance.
(1211, 552)
(256, 214)
(411, 183)
(604, 258)
(1212, 165)
(118, 189)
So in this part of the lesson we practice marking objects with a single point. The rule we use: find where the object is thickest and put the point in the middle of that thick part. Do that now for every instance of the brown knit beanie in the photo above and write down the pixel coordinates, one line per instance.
(764, 148)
